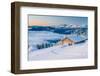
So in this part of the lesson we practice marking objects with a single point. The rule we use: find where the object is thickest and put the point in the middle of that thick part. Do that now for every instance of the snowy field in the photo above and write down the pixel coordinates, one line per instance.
(75, 51)
(61, 52)
(41, 37)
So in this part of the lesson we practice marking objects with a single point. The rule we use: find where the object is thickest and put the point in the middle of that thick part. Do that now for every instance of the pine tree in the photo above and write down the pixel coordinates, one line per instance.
(42, 46)
(38, 46)
(46, 45)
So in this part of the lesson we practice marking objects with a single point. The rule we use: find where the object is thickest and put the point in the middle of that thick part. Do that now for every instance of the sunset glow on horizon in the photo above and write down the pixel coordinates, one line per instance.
(44, 20)
(37, 22)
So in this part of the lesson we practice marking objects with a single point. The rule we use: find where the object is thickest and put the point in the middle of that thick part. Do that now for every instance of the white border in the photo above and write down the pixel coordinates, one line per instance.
(25, 64)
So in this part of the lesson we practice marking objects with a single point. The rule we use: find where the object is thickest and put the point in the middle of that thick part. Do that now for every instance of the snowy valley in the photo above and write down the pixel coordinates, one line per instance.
(51, 42)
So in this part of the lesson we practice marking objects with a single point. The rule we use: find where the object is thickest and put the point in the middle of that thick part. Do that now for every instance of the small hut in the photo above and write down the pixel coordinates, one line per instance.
(66, 40)
(72, 40)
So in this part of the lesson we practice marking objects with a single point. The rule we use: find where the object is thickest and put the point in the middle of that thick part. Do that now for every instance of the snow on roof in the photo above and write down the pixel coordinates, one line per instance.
(75, 38)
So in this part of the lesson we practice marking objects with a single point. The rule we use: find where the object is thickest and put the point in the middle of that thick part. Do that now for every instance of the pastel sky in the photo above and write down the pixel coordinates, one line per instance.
(44, 20)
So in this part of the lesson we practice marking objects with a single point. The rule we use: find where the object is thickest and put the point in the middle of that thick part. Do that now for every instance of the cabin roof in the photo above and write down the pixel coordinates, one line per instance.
(67, 39)
(76, 38)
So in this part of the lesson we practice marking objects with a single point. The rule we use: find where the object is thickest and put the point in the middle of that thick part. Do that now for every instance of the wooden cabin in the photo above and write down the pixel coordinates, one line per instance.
(71, 40)
(66, 41)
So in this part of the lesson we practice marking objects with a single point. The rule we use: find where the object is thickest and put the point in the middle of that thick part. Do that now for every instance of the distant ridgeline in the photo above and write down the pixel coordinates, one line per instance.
(60, 30)
(79, 35)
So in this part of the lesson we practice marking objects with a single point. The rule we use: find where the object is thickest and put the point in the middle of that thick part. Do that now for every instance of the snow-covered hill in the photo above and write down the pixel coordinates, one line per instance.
(42, 42)
(61, 52)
